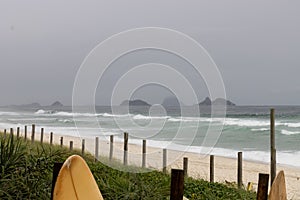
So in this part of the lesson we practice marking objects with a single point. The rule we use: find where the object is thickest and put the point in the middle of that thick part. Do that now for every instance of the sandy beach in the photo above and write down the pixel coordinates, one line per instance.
(198, 166)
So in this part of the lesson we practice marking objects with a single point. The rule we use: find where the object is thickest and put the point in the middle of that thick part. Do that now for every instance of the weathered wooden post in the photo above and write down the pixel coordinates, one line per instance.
(211, 168)
(32, 133)
(42, 135)
(11, 133)
(18, 132)
(165, 161)
(125, 159)
(240, 170)
(272, 145)
(71, 145)
(185, 166)
(51, 138)
(177, 184)
(25, 133)
(61, 141)
(4, 133)
(97, 149)
(262, 189)
(111, 147)
(56, 169)
(82, 147)
(144, 154)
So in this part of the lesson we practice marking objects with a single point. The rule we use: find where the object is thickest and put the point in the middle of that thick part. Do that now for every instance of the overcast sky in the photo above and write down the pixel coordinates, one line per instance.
(255, 44)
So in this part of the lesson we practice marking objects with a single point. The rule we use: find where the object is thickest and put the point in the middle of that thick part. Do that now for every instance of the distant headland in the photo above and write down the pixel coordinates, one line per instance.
(136, 102)
(219, 101)
(57, 104)
(38, 105)
(173, 102)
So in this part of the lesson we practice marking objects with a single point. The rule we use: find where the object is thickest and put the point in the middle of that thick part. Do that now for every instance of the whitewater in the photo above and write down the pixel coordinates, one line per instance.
(245, 128)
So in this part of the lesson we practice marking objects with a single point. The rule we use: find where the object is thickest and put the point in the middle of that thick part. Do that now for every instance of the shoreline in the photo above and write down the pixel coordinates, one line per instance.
(225, 168)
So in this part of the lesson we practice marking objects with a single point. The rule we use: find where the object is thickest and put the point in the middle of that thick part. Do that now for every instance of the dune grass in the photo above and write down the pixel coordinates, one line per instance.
(26, 173)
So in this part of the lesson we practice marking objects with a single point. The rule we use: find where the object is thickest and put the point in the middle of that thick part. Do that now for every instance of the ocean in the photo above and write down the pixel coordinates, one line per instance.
(246, 128)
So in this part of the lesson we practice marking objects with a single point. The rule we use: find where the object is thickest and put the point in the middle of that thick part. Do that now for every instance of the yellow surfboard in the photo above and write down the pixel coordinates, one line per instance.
(278, 188)
(75, 181)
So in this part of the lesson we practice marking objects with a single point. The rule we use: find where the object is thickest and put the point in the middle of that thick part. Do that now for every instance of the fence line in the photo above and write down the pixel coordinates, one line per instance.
(125, 156)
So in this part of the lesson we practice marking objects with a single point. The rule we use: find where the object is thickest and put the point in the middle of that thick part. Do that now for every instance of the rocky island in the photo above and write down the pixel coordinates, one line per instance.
(219, 101)
(136, 102)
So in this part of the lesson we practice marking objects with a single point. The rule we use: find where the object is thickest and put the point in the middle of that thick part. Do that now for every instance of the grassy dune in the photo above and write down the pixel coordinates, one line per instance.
(26, 173)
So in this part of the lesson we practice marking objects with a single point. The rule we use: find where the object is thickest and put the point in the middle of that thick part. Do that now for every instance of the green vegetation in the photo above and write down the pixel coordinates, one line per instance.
(26, 173)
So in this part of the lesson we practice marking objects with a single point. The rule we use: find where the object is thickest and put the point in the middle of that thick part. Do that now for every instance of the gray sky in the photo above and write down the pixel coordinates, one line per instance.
(255, 44)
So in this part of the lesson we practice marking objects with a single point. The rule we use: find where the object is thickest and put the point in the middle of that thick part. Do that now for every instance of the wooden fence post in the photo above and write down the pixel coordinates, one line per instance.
(56, 169)
(262, 189)
(111, 147)
(144, 154)
(97, 149)
(240, 170)
(25, 133)
(211, 168)
(42, 135)
(164, 160)
(11, 132)
(51, 138)
(83, 147)
(185, 166)
(71, 145)
(4, 133)
(125, 158)
(177, 184)
(272, 145)
(32, 133)
(61, 141)
(18, 132)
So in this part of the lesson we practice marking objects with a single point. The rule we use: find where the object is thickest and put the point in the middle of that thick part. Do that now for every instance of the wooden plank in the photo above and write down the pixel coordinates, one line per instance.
(177, 184)
(262, 189)
(278, 189)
